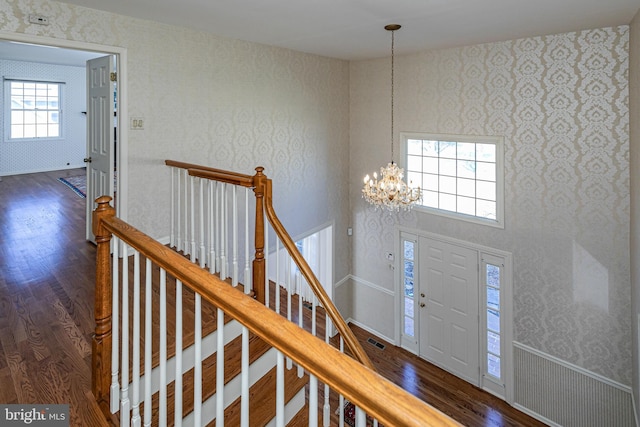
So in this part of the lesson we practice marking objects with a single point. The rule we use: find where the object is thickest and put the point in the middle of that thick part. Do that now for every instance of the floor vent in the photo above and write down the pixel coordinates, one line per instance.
(376, 343)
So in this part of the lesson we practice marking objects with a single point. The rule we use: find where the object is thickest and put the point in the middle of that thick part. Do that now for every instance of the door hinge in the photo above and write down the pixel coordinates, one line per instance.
(114, 77)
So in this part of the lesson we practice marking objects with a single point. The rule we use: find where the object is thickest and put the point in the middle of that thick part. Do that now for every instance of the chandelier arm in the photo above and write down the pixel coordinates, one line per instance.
(390, 191)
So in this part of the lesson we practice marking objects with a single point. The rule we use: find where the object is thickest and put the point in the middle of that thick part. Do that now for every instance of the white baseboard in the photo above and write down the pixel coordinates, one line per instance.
(371, 331)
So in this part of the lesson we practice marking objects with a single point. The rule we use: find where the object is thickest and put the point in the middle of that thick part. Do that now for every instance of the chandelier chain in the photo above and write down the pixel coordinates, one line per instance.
(389, 191)
(393, 33)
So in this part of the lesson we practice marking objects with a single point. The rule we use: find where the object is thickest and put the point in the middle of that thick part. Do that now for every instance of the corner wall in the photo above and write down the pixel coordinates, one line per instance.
(634, 167)
(561, 103)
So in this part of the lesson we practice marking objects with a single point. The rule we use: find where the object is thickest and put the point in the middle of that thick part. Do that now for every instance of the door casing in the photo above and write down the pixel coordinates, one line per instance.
(121, 69)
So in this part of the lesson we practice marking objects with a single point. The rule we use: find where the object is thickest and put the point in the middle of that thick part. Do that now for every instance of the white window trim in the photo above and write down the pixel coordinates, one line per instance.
(497, 140)
(7, 110)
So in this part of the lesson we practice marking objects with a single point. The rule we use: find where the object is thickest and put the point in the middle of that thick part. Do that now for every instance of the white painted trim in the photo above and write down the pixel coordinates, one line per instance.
(635, 409)
(579, 369)
(42, 170)
(123, 134)
(372, 285)
(499, 142)
(535, 415)
(344, 280)
(452, 240)
(371, 331)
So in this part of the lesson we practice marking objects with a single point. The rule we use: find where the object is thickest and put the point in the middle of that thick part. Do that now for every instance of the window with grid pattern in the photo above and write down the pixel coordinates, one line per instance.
(460, 176)
(34, 110)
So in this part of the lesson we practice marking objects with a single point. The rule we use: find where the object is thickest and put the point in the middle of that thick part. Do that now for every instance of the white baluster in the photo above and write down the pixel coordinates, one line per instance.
(177, 418)
(162, 400)
(203, 253)
(300, 313)
(248, 282)
(124, 392)
(192, 204)
(211, 221)
(135, 374)
(244, 397)
(185, 223)
(148, 326)
(234, 256)
(289, 290)
(279, 390)
(326, 409)
(115, 327)
(267, 286)
(217, 220)
(223, 232)
(197, 363)
(361, 417)
(313, 400)
(276, 291)
(341, 399)
(172, 236)
(178, 202)
(220, 369)
(314, 304)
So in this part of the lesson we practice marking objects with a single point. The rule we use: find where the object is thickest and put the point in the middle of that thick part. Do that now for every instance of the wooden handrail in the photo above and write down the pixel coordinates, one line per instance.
(244, 181)
(365, 388)
(183, 165)
(264, 203)
(332, 311)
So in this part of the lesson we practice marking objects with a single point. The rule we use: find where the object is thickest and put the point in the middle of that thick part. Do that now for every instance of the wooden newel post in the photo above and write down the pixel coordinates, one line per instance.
(101, 346)
(259, 280)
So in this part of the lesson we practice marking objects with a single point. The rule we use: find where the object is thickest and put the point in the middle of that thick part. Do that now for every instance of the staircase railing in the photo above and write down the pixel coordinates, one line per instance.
(196, 207)
(362, 386)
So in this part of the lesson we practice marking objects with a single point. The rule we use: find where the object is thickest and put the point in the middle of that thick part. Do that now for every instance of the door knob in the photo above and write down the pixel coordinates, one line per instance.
(421, 304)
(422, 295)
(87, 159)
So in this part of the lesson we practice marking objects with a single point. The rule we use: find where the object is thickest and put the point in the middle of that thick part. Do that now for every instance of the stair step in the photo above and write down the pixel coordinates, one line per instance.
(262, 405)
(233, 355)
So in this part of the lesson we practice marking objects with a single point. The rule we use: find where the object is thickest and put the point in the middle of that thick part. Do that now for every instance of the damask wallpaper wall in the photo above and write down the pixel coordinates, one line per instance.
(223, 103)
(634, 174)
(561, 104)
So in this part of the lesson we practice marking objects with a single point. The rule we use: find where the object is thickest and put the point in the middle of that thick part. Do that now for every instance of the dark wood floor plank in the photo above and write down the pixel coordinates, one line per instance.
(47, 273)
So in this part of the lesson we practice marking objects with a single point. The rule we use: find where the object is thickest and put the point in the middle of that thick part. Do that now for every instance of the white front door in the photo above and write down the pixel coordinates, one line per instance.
(100, 133)
(448, 304)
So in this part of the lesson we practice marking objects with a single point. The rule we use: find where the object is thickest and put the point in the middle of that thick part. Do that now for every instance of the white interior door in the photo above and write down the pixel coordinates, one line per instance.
(100, 133)
(448, 301)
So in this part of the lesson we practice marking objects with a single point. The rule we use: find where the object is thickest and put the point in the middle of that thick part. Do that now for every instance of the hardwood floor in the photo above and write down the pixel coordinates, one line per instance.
(46, 314)
(46, 295)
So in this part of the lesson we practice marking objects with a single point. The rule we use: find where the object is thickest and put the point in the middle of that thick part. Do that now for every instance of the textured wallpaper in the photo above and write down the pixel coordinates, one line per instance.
(222, 103)
(317, 124)
(634, 173)
(65, 152)
(561, 103)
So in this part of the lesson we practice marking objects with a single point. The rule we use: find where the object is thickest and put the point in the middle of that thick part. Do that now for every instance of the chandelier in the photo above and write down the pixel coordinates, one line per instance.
(390, 191)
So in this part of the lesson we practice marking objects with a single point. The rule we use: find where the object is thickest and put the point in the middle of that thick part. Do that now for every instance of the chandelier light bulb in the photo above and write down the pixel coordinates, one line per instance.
(390, 192)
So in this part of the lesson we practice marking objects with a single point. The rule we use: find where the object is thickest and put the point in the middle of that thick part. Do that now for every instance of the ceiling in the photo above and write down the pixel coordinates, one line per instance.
(354, 29)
